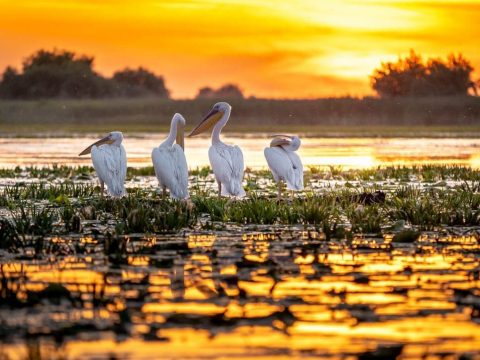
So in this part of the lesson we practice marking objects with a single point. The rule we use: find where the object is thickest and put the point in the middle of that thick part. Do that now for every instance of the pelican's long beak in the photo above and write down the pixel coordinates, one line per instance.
(280, 139)
(207, 123)
(105, 140)
(180, 140)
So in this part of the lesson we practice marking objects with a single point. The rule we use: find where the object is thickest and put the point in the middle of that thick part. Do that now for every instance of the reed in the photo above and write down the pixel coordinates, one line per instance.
(420, 198)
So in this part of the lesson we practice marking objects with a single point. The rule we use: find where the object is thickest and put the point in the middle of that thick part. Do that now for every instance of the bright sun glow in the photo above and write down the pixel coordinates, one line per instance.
(270, 48)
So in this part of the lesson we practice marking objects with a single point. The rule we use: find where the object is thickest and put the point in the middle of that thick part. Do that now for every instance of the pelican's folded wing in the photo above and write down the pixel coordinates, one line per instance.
(182, 171)
(171, 169)
(110, 163)
(297, 170)
(228, 166)
(280, 164)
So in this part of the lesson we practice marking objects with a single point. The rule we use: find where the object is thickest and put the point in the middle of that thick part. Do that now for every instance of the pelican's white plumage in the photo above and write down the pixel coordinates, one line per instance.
(170, 163)
(226, 160)
(228, 167)
(284, 163)
(110, 162)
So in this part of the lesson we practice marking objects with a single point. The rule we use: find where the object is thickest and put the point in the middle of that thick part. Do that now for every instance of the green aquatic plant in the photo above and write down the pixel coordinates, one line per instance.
(9, 239)
(435, 207)
(70, 218)
(427, 173)
(463, 208)
(48, 208)
(412, 206)
(46, 191)
(212, 206)
(365, 219)
(33, 220)
(172, 216)
(115, 247)
(143, 171)
(201, 172)
(146, 214)
(320, 211)
(58, 171)
(254, 210)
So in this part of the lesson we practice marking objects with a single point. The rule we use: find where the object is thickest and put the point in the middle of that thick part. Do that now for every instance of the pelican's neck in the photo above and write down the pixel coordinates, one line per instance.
(219, 126)
(294, 145)
(117, 142)
(173, 132)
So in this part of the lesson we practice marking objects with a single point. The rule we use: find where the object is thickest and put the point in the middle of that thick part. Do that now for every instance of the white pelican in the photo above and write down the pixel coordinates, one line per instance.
(110, 162)
(226, 160)
(170, 163)
(284, 163)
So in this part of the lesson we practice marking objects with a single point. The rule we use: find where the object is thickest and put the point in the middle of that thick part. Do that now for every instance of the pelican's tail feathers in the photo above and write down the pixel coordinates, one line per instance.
(233, 188)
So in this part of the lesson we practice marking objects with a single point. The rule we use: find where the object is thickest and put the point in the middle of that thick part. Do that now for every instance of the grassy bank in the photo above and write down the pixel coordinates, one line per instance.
(326, 117)
(423, 198)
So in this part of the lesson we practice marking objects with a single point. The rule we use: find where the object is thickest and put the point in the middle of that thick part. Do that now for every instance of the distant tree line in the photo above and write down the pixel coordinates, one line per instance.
(227, 91)
(64, 74)
(411, 76)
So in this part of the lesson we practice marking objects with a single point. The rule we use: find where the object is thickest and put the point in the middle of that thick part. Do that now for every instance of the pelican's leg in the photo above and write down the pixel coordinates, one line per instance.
(102, 186)
(279, 190)
(164, 192)
(219, 189)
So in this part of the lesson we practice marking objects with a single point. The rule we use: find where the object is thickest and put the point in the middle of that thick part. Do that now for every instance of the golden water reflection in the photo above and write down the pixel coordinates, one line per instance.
(345, 152)
(267, 295)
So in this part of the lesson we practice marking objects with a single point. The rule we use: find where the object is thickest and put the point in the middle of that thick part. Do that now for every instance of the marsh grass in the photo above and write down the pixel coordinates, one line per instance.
(33, 220)
(421, 173)
(9, 237)
(146, 214)
(71, 253)
(257, 210)
(45, 191)
(435, 207)
(421, 198)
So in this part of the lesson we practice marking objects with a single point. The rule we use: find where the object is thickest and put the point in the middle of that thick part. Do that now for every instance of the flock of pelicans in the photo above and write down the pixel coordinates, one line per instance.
(110, 160)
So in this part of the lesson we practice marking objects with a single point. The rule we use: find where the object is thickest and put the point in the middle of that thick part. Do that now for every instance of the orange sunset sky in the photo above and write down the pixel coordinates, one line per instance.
(282, 49)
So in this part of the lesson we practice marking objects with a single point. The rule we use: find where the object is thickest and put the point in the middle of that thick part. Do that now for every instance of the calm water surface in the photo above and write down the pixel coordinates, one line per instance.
(345, 152)
(246, 292)
(264, 295)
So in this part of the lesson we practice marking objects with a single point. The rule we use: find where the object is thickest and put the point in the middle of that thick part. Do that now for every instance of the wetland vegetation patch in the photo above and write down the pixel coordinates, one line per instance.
(360, 251)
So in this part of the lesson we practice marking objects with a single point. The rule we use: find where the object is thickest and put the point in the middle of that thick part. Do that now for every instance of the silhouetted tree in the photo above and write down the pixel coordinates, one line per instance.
(451, 77)
(55, 73)
(410, 76)
(227, 91)
(61, 73)
(205, 92)
(135, 82)
(11, 85)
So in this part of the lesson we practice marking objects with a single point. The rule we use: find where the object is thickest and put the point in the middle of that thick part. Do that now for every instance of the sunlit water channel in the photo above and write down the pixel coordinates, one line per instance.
(252, 294)
(262, 292)
(345, 152)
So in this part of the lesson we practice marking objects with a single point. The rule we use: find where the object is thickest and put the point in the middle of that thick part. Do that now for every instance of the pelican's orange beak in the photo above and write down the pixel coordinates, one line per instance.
(207, 123)
(105, 140)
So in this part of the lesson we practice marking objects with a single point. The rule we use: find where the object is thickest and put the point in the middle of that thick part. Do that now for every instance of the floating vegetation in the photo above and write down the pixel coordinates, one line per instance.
(386, 260)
